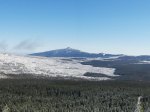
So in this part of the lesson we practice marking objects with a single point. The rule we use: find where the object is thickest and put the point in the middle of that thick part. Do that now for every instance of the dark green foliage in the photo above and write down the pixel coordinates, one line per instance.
(109, 63)
(89, 74)
(127, 69)
(139, 72)
(44, 95)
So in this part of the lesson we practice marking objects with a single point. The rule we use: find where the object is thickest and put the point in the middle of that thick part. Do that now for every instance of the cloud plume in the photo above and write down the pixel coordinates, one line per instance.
(27, 45)
(3, 46)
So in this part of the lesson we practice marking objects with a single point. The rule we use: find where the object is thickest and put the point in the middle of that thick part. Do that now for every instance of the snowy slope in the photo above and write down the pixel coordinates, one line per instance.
(70, 52)
(48, 67)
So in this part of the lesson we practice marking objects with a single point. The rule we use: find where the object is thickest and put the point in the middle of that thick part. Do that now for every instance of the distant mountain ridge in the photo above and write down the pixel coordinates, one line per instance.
(70, 52)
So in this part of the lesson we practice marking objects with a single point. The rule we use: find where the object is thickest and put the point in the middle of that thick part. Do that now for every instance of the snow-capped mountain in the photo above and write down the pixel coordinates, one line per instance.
(49, 67)
(127, 67)
(69, 52)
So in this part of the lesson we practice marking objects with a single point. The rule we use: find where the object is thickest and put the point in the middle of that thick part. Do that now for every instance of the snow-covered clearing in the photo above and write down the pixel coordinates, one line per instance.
(49, 67)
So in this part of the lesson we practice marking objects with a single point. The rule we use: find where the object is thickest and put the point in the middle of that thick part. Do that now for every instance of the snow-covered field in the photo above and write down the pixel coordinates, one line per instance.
(49, 67)
(145, 62)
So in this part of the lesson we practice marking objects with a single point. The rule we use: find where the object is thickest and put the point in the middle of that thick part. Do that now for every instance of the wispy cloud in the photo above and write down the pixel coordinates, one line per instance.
(3, 46)
(27, 45)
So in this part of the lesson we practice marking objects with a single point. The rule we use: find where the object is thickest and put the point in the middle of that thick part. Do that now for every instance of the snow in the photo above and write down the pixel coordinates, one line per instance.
(49, 67)
(143, 62)
(3, 76)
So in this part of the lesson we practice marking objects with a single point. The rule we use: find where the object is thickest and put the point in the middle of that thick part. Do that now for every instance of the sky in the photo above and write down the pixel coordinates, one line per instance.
(109, 26)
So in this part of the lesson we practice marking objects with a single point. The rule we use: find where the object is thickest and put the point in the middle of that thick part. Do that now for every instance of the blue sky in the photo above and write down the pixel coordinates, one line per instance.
(110, 26)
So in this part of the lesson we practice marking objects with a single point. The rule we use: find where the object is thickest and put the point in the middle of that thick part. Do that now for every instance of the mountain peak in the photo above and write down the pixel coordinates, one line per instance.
(70, 52)
(68, 48)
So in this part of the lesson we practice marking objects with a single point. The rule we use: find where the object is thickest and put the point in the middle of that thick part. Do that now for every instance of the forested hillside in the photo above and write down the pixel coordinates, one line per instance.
(44, 95)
